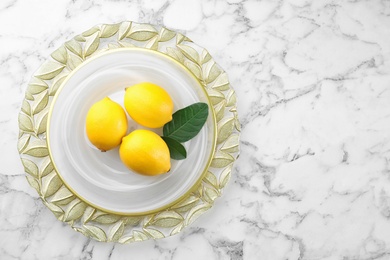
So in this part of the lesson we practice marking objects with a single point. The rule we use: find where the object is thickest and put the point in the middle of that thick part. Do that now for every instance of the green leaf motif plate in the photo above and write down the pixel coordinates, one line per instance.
(41, 172)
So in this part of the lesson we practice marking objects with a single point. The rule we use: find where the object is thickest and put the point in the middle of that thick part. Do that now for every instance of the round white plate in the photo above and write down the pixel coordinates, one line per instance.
(100, 178)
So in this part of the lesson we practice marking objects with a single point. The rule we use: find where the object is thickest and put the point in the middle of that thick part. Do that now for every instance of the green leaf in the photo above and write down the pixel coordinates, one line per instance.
(187, 122)
(176, 149)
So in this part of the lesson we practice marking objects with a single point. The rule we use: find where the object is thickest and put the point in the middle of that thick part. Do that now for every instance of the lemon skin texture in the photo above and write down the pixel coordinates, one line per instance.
(106, 124)
(144, 152)
(148, 104)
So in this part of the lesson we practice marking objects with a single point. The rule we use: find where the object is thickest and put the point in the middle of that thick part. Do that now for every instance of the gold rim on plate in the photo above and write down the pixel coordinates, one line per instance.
(62, 200)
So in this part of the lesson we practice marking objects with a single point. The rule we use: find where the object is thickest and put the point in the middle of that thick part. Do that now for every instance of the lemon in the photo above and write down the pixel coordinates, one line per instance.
(148, 104)
(106, 124)
(145, 152)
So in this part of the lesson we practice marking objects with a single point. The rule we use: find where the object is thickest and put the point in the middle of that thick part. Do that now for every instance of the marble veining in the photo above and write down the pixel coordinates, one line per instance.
(312, 81)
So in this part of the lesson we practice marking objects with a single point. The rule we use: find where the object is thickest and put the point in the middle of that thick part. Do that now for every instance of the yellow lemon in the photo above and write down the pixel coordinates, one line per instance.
(145, 152)
(106, 124)
(148, 104)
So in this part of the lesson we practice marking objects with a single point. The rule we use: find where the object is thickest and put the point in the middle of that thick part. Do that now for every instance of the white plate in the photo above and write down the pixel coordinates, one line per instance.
(100, 178)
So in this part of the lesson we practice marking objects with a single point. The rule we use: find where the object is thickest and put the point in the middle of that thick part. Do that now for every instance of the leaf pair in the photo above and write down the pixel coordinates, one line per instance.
(186, 123)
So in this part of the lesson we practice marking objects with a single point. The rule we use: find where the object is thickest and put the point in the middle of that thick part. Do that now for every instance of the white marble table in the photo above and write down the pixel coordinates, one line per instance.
(313, 86)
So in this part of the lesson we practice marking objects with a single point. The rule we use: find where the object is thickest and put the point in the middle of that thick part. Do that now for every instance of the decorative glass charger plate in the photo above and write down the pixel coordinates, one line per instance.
(92, 191)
